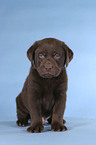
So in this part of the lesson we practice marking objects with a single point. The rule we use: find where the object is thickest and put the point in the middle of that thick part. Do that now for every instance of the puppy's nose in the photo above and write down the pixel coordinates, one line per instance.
(48, 66)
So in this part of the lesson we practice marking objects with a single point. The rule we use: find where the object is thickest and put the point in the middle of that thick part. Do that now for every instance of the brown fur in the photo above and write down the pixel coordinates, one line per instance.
(44, 93)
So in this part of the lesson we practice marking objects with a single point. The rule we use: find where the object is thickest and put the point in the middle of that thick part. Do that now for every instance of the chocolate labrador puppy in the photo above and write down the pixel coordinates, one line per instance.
(43, 96)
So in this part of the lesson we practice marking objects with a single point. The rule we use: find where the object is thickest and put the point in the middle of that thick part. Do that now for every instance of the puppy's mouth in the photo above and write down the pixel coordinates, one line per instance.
(48, 75)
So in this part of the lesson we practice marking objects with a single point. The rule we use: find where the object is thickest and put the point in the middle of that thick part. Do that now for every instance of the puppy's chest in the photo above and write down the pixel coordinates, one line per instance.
(48, 100)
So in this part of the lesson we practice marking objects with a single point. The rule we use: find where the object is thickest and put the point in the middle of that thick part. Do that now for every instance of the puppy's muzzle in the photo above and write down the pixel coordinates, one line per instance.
(48, 67)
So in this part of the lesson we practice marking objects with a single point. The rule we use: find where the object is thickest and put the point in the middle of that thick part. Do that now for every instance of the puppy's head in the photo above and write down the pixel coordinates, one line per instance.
(49, 56)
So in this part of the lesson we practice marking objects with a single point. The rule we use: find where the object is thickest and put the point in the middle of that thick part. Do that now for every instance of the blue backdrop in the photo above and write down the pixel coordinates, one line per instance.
(24, 21)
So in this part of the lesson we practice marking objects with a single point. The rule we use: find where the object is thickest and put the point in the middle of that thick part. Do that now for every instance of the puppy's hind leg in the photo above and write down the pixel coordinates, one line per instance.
(22, 113)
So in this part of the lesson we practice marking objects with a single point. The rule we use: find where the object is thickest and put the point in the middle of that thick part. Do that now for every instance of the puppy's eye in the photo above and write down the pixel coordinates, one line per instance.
(41, 56)
(56, 56)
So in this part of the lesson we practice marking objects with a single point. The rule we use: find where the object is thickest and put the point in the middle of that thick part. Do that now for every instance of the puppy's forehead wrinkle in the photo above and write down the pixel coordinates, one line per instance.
(49, 49)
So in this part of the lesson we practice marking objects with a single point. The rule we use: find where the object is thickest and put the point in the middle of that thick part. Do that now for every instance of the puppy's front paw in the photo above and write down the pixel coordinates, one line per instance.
(57, 127)
(22, 122)
(36, 129)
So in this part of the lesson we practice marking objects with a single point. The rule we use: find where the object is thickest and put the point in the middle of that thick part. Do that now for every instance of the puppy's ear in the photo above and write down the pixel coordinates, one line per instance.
(68, 54)
(31, 51)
